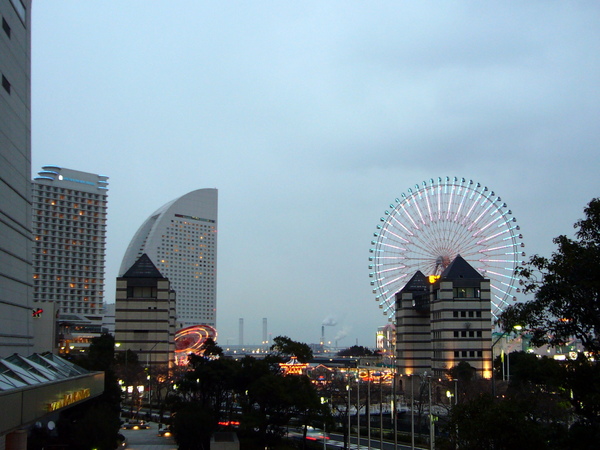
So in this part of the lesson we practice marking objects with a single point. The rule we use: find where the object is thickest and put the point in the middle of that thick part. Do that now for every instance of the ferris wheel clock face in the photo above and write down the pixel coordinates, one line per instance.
(428, 226)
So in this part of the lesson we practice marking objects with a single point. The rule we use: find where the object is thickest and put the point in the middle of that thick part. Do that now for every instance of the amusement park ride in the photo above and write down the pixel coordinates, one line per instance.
(427, 227)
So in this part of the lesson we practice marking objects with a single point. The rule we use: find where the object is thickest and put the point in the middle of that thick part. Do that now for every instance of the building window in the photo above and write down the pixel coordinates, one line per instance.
(6, 27)
(20, 9)
(466, 292)
(5, 84)
(141, 292)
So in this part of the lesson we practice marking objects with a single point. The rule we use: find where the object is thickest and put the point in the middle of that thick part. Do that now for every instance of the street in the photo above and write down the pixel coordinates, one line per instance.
(148, 439)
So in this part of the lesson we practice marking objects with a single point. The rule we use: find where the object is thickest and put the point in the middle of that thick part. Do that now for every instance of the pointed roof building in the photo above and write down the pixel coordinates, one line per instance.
(145, 313)
(143, 268)
(461, 269)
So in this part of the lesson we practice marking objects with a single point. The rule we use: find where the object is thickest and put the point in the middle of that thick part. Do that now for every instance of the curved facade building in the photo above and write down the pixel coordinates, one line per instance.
(181, 240)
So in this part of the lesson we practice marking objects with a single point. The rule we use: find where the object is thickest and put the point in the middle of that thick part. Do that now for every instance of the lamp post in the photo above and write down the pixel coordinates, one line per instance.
(455, 391)
(515, 328)
(324, 402)
(148, 361)
(368, 410)
(380, 412)
(431, 422)
(412, 412)
(394, 411)
(358, 409)
(348, 410)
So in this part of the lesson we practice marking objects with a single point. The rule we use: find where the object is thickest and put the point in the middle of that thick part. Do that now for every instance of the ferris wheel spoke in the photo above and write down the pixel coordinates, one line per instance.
(409, 232)
(397, 236)
(409, 217)
(434, 222)
(491, 249)
(500, 276)
(493, 236)
(386, 245)
(492, 222)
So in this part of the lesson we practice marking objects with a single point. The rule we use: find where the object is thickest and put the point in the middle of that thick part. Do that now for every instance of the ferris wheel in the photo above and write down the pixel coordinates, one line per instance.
(427, 227)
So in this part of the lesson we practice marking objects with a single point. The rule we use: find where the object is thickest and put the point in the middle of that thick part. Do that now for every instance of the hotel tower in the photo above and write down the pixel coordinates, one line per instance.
(180, 238)
(69, 233)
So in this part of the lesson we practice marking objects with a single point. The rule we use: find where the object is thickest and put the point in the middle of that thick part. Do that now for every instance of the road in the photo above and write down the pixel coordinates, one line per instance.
(148, 439)
(337, 441)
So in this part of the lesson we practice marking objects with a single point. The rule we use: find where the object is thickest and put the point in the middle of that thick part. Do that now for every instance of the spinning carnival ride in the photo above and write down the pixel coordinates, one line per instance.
(190, 340)
(427, 227)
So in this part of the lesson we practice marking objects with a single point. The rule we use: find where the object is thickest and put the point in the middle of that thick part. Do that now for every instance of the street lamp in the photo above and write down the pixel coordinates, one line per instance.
(358, 408)
(324, 402)
(412, 411)
(348, 410)
(431, 421)
(515, 328)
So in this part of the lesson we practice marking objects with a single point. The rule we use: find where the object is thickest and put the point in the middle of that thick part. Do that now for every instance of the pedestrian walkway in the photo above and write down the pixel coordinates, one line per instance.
(148, 439)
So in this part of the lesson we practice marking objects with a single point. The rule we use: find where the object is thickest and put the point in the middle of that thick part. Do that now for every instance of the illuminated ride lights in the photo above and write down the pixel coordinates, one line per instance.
(191, 339)
(427, 227)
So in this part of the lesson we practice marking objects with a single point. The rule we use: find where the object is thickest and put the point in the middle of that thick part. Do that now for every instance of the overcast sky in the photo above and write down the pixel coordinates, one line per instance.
(310, 118)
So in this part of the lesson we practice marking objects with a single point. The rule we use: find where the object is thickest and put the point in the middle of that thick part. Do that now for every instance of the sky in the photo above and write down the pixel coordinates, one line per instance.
(310, 118)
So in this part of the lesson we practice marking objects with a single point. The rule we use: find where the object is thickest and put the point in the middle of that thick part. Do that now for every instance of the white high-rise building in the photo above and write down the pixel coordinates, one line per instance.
(181, 239)
(16, 334)
(69, 227)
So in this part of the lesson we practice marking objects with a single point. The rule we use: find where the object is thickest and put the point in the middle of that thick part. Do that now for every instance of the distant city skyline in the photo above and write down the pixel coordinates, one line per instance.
(310, 119)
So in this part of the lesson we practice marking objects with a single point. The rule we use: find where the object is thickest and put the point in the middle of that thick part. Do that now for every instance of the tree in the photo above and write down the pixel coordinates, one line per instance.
(336, 391)
(307, 407)
(129, 370)
(210, 349)
(485, 423)
(566, 289)
(283, 346)
(356, 350)
(566, 305)
(192, 426)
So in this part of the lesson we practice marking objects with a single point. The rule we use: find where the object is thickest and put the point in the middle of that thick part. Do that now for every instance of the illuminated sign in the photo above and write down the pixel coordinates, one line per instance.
(69, 399)
(60, 177)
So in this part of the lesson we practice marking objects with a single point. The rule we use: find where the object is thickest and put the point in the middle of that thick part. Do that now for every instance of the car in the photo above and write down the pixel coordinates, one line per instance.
(314, 434)
(165, 432)
(138, 425)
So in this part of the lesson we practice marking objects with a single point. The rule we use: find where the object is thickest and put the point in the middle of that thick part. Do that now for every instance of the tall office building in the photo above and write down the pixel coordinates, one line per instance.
(69, 225)
(15, 172)
(181, 239)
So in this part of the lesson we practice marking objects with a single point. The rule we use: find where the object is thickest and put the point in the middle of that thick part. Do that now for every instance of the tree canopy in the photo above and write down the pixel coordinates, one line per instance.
(283, 346)
(566, 289)
(566, 307)
(356, 350)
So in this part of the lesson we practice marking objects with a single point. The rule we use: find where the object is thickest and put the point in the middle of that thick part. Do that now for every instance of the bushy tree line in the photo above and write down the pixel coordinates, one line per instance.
(216, 392)
(547, 404)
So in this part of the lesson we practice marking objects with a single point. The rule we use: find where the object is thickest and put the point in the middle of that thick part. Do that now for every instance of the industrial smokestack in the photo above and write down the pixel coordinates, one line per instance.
(265, 340)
